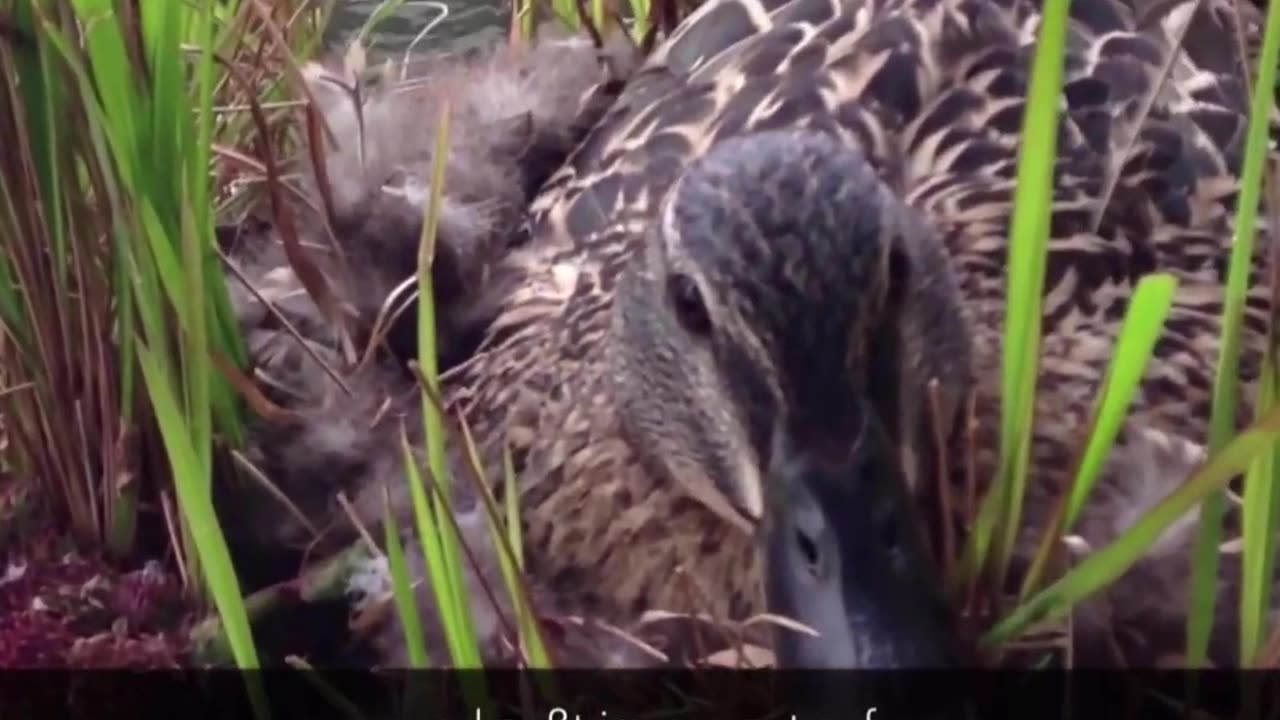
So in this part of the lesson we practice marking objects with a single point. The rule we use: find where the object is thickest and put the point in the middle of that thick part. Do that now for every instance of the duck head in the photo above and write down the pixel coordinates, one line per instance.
(774, 345)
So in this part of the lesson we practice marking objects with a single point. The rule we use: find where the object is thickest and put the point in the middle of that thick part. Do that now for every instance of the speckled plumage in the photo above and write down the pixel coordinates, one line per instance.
(932, 93)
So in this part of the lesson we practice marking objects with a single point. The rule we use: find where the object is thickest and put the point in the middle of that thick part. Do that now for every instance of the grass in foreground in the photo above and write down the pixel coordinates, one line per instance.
(112, 302)
(1253, 450)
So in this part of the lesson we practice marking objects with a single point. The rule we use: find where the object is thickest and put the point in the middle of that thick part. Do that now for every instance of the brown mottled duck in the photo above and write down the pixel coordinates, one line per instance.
(711, 364)
(712, 372)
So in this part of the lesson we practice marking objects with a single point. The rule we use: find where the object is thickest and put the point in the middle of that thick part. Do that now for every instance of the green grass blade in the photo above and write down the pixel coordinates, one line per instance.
(509, 554)
(640, 10)
(1261, 512)
(1028, 250)
(530, 634)
(402, 587)
(429, 539)
(113, 79)
(1204, 571)
(1143, 323)
(46, 103)
(384, 10)
(198, 373)
(197, 508)
(460, 622)
(511, 500)
(1104, 566)
(566, 11)
(1028, 243)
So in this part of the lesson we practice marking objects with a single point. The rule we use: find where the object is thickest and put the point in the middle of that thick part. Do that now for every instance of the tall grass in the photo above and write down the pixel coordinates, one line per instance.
(438, 534)
(1231, 454)
(112, 302)
(1226, 382)
(998, 520)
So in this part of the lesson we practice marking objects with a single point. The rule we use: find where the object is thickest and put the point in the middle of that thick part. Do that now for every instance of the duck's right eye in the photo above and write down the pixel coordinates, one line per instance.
(688, 304)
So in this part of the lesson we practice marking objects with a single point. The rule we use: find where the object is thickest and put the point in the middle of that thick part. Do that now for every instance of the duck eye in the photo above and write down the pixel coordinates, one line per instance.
(808, 548)
(689, 306)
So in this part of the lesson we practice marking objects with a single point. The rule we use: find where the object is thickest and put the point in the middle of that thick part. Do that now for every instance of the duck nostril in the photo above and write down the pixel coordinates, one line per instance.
(808, 552)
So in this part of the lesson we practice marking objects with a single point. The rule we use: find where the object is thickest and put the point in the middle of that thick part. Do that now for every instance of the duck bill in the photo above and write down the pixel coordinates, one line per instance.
(846, 558)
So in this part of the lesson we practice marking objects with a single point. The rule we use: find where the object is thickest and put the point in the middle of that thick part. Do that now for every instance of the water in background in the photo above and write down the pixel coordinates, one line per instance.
(469, 23)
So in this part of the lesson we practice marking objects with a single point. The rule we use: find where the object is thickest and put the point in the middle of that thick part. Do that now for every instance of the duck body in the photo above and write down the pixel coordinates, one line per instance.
(644, 491)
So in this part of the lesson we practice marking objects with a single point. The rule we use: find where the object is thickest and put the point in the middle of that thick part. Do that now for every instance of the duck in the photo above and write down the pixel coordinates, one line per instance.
(331, 385)
(778, 261)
